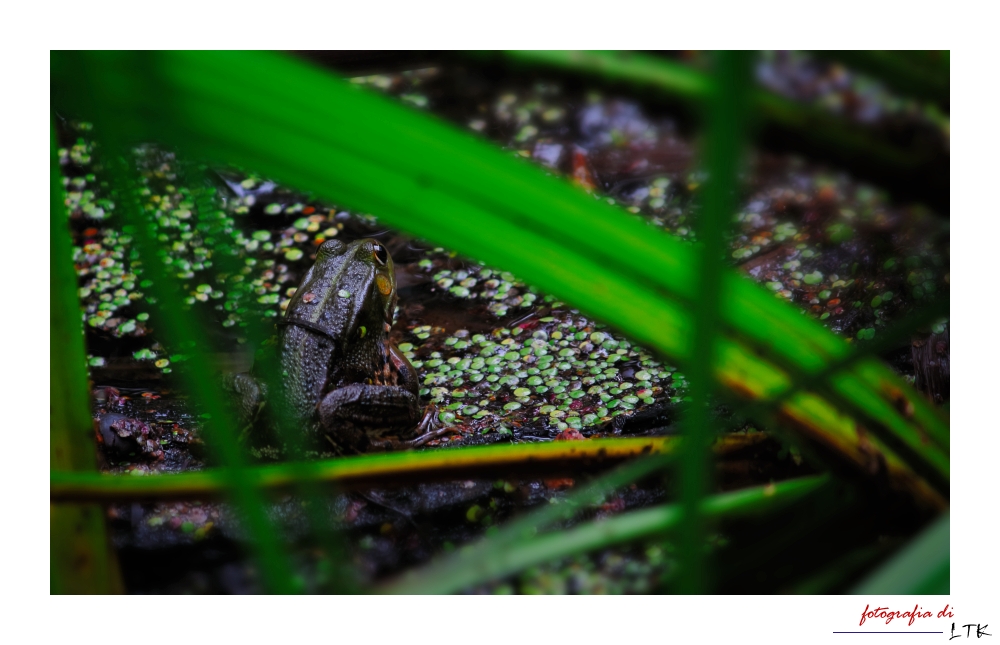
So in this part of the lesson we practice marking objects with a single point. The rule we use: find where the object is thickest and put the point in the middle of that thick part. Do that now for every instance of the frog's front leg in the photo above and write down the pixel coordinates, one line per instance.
(359, 414)
(249, 395)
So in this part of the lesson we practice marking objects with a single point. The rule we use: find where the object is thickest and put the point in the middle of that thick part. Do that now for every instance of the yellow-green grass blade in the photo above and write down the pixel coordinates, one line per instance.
(80, 560)
(387, 469)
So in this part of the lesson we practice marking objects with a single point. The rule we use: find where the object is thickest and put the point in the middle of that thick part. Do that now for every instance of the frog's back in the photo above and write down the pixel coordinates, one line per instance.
(304, 358)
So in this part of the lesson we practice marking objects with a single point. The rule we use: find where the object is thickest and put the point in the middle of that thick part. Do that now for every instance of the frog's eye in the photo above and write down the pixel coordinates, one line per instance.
(380, 254)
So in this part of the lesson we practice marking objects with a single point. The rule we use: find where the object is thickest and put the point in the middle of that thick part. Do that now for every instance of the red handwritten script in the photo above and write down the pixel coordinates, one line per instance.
(889, 615)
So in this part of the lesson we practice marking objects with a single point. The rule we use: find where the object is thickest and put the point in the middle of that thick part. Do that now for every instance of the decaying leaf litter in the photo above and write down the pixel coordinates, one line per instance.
(501, 361)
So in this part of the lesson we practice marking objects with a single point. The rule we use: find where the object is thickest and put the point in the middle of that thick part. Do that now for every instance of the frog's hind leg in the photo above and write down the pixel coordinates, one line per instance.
(369, 406)
(357, 416)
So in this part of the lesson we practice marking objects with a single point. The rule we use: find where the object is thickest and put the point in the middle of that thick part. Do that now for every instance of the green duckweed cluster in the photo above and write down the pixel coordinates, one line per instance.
(834, 263)
(242, 275)
(562, 373)
(613, 571)
(501, 291)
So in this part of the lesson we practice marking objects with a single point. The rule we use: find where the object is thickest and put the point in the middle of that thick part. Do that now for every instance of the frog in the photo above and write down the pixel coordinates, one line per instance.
(332, 370)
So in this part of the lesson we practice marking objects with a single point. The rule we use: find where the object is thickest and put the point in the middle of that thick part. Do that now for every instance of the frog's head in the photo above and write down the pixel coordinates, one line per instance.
(349, 293)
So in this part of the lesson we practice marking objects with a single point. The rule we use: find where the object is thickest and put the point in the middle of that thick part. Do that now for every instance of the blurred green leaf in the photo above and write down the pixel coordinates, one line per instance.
(727, 113)
(921, 567)
(80, 558)
(487, 561)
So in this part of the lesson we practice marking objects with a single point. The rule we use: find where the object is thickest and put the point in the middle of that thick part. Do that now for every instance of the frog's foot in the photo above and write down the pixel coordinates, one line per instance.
(420, 440)
(427, 423)
(429, 429)
(392, 443)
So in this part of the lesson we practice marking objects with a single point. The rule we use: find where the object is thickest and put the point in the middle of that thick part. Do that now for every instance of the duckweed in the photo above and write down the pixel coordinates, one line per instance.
(565, 358)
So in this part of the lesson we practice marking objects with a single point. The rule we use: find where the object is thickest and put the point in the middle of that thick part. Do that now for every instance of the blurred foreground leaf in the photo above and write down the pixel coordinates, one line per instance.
(485, 561)
(922, 567)
(79, 552)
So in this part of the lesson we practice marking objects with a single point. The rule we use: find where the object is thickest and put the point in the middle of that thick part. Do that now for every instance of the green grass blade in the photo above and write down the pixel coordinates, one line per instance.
(496, 562)
(643, 70)
(840, 572)
(177, 330)
(727, 114)
(79, 553)
(922, 567)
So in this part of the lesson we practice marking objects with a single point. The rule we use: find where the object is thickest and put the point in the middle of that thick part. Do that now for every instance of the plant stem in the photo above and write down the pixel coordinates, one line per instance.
(80, 556)
(389, 469)
(727, 113)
